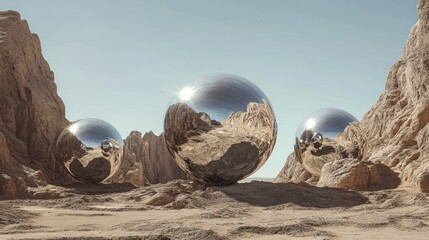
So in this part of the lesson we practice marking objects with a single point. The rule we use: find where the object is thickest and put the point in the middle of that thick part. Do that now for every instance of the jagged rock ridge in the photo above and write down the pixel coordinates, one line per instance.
(397, 125)
(397, 130)
(147, 161)
(32, 114)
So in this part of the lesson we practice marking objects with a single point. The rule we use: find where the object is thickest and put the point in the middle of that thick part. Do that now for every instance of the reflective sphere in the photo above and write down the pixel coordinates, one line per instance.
(91, 150)
(316, 138)
(220, 129)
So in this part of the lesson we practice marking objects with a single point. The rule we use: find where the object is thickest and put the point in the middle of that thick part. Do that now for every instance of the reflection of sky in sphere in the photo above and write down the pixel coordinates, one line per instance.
(221, 95)
(92, 132)
(328, 121)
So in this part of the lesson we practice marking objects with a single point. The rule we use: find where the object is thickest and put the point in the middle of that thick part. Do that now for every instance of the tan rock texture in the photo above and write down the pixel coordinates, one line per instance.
(397, 125)
(147, 161)
(31, 113)
(348, 173)
(396, 129)
(293, 171)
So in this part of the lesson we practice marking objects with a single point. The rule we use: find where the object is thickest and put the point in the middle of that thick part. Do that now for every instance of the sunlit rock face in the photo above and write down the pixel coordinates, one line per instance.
(147, 161)
(326, 135)
(397, 125)
(91, 150)
(220, 129)
(32, 115)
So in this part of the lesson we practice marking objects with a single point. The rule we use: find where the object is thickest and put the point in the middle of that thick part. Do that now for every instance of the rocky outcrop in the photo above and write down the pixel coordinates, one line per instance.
(147, 161)
(354, 174)
(294, 172)
(348, 173)
(32, 114)
(396, 128)
(397, 125)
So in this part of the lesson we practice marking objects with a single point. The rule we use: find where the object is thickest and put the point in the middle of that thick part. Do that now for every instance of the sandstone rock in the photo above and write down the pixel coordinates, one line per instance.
(381, 177)
(32, 114)
(397, 125)
(5, 157)
(348, 173)
(354, 174)
(147, 161)
(293, 171)
(160, 199)
(396, 128)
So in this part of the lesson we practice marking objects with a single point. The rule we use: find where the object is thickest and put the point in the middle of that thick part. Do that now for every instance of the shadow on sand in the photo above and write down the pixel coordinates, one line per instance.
(265, 194)
(98, 188)
(388, 179)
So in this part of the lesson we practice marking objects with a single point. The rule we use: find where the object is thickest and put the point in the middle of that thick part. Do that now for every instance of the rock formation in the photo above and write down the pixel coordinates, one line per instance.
(347, 173)
(397, 125)
(339, 163)
(293, 171)
(32, 114)
(147, 161)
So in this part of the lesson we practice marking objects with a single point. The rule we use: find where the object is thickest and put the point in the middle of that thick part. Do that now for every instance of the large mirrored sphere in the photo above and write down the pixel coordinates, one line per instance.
(91, 150)
(220, 129)
(316, 138)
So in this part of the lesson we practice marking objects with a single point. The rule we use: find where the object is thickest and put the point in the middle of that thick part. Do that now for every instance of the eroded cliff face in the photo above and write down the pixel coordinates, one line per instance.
(294, 172)
(31, 113)
(397, 125)
(396, 128)
(147, 161)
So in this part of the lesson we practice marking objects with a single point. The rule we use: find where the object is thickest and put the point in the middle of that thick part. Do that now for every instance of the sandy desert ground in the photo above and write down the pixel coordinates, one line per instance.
(248, 210)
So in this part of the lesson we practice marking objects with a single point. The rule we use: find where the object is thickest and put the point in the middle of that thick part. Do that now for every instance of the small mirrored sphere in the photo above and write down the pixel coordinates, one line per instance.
(315, 142)
(220, 129)
(91, 150)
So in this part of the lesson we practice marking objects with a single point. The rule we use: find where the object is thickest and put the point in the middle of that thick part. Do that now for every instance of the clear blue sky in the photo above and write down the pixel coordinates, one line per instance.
(122, 61)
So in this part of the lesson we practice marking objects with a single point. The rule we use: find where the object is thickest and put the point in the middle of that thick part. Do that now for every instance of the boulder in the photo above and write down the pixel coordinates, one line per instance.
(347, 173)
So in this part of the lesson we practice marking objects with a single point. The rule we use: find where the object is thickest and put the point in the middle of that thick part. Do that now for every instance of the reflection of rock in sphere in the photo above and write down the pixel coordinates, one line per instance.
(90, 149)
(220, 129)
(317, 138)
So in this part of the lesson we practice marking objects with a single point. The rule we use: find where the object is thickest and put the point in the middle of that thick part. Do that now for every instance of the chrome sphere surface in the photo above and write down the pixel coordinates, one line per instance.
(316, 137)
(91, 150)
(220, 129)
